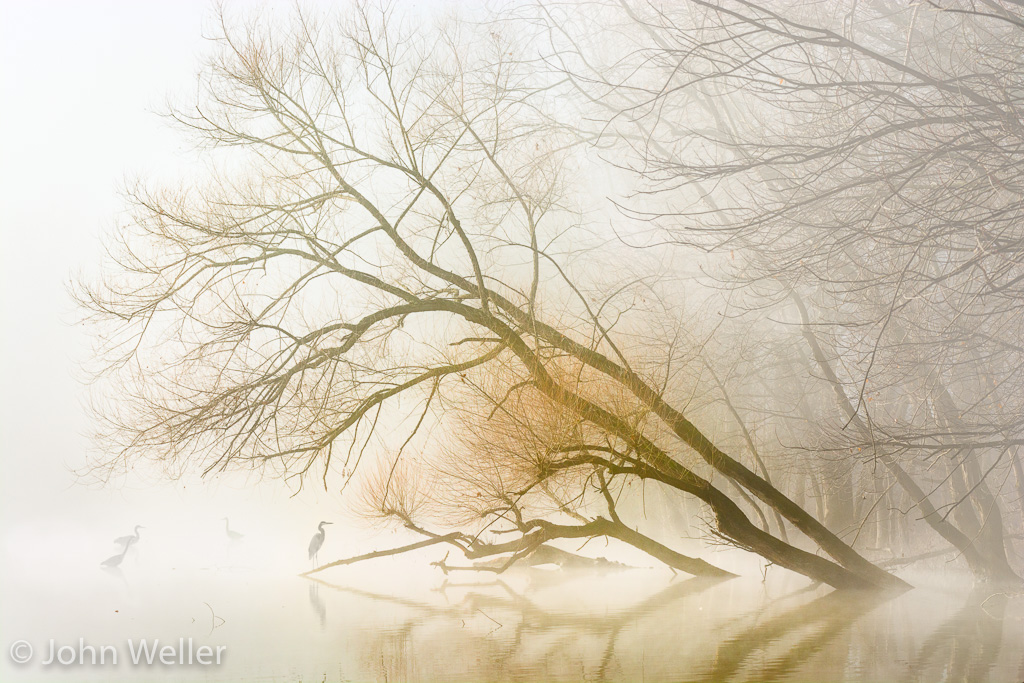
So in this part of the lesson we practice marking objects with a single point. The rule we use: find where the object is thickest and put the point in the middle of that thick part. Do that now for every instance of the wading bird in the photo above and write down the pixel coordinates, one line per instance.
(112, 562)
(128, 540)
(232, 535)
(317, 541)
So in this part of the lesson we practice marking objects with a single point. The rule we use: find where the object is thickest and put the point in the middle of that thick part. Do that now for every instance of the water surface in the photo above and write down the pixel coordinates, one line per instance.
(396, 622)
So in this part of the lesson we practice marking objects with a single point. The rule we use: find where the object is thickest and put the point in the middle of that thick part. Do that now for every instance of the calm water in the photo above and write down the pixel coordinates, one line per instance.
(392, 623)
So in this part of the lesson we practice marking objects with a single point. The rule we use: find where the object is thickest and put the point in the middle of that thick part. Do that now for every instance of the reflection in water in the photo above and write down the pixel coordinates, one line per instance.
(797, 634)
(534, 632)
(551, 626)
(965, 647)
(800, 635)
(116, 574)
(319, 606)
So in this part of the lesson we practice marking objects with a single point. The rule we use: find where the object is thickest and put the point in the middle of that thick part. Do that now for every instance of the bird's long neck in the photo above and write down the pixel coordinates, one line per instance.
(137, 532)
(227, 526)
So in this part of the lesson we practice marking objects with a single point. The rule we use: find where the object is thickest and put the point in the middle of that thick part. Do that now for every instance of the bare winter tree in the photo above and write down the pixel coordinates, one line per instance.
(856, 169)
(393, 243)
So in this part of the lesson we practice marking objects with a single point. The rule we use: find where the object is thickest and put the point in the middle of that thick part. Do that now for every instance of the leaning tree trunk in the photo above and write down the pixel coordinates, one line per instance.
(853, 571)
(863, 572)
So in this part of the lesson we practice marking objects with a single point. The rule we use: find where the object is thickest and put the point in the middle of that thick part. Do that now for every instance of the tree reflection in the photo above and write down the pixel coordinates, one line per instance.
(502, 630)
(796, 634)
(967, 644)
(531, 626)
(697, 629)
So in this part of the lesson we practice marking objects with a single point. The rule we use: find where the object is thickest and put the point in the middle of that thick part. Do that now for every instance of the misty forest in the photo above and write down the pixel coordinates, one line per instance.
(736, 285)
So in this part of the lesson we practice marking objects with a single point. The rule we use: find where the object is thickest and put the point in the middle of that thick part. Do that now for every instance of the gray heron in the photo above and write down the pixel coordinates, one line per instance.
(232, 535)
(128, 540)
(317, 540)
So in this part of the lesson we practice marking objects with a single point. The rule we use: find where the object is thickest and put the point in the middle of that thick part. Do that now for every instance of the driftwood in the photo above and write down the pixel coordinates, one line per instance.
(385, 553)
(542, 554)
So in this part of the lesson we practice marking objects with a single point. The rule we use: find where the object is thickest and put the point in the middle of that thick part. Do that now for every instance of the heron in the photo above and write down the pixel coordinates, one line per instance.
(232, 535)
(115, 561)
(128, 540)
(317, 540)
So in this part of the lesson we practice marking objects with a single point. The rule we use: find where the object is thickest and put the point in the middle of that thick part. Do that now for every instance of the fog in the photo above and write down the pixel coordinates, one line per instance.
(685, 328)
